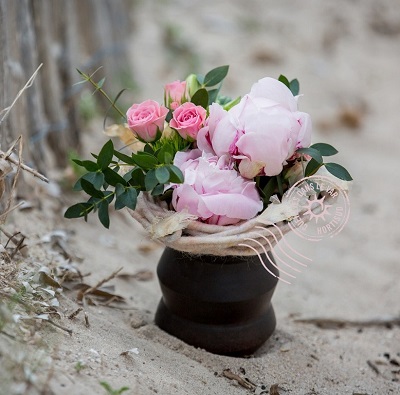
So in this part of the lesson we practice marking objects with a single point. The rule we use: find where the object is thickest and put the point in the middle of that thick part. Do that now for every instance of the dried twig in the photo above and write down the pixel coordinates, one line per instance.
(100, 283)
(75, 313)
(87, 323)
(373, 367)
(328, 323)
(26, 86)
(23, 166)
(274, 389)
(241, 381)
(59, 326)
(12, 337)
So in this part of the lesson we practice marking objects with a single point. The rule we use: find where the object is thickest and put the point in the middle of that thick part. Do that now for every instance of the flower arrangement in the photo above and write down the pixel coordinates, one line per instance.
(202, 158)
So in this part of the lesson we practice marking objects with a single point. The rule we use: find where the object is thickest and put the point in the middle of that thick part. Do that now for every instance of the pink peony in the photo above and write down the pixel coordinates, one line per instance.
(213, 190)
(146, 119)
(175, 94)
(261, 132)
(187, 119)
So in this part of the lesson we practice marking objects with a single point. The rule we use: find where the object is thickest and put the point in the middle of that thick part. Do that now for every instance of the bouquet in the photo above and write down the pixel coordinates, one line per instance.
(203, 170)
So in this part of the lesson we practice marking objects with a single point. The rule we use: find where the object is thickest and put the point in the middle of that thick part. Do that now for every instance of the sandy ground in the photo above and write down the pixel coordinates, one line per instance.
(346, 56)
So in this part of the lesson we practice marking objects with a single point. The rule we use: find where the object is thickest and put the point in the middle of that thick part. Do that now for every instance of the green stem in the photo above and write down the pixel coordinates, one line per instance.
(98, 88)
(280, 187)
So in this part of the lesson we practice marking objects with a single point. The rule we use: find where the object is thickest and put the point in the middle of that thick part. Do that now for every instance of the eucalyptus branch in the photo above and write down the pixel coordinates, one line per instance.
(98, 86)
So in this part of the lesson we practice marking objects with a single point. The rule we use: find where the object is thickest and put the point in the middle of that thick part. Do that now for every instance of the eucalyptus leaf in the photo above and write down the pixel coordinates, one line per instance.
(90, 189)
(95, 178)
(145, 160)
(135, 177)
(338, 171)
(87, 164)
(103, 214)
(124, 158)
(162, 175)
(294, 87)
(314, 153)
(215, 76)
(127, 197)
(212, 96)
(176, 175)
(158, 190)
(284, 80)
(78, 210)
(105, 155)
(112, 177)
(150, 180)
(325, 149)
(200, 98)
(311, 168)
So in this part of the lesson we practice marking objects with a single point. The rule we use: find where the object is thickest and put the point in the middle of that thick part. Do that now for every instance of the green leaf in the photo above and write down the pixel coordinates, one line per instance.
(284, 80)
(135, 177)
(314, 153)
(294, 86)
(124, 158)
(157, 190)
(311, 168)
(90, 189)
(145, 160)
(200, 98)
(105, 155)
(149, 149)
(338, 171)
(325, 149)
(150, 180)
(215, 76)
(166, 154)
(78, 210)
(176, 175)
(103, 214)
(101, 83)
(126, 197)
(212, 96)
(112, 177)
(200, 78)
(162, 175)
(232, 103)
(269, 189)
(87, 164)
(95, 178)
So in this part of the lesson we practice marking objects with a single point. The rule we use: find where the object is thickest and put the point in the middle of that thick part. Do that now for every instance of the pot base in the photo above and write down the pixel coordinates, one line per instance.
(219, 303)
(233, 340)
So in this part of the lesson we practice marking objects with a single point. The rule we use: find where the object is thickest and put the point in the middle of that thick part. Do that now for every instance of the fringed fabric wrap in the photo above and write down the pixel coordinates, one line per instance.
(181, 231)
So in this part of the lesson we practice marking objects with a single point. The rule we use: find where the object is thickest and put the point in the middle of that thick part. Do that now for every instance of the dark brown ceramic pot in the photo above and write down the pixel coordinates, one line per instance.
(221, 304)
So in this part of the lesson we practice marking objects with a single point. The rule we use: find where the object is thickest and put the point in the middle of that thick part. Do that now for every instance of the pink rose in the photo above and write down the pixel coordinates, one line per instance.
(187, 119)
(146, 119)
(214, 191)
(261, 132)
(175, 94)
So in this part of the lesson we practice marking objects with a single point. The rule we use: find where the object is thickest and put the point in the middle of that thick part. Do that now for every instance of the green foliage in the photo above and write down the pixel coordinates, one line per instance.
(208, 87)
(111, 391)
(338, 171)
(317, 151)
(200, 98)
(293, 85)
(215, 76)
(115, 177)
(150, 171)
